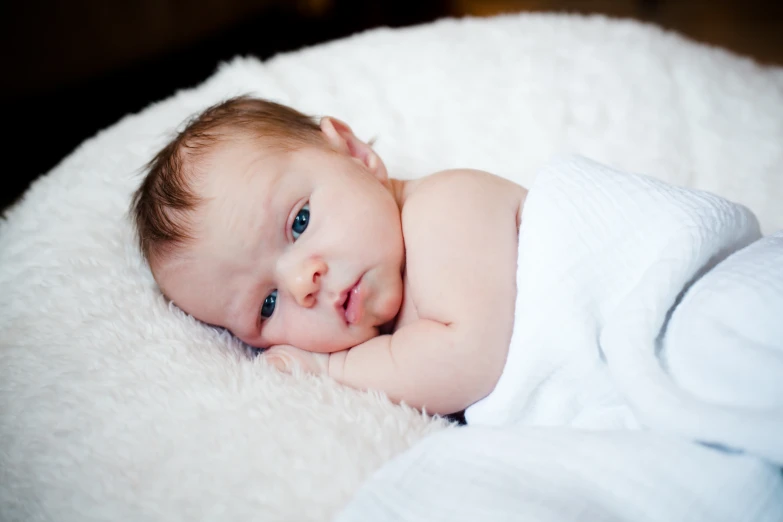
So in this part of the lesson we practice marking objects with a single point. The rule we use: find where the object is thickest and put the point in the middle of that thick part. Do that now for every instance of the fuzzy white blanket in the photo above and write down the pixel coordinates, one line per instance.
(655, 409)
(115, 406)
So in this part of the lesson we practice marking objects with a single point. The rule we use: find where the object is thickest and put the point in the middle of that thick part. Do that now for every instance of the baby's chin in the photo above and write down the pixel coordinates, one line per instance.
(340, 345)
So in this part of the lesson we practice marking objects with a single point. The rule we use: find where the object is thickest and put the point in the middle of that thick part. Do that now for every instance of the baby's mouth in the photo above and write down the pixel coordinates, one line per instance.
(352, 304)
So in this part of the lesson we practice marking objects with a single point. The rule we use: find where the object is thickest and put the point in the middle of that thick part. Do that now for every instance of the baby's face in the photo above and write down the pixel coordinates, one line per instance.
(302, 248)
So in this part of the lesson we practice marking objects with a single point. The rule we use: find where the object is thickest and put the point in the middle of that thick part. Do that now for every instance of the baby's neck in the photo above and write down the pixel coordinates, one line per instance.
(400, 190)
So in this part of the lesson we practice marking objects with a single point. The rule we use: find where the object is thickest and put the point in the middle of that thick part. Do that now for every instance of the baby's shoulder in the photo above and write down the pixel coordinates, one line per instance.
(461, 237)
(447, 182)
(454, 192)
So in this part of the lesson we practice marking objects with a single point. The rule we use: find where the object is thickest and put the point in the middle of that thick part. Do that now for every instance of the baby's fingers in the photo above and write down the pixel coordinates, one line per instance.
(285, 358)
(279, 361)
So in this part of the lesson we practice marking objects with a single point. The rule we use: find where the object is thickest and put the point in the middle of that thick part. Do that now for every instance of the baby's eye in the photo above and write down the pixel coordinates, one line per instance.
(300, 221)
(268, 308)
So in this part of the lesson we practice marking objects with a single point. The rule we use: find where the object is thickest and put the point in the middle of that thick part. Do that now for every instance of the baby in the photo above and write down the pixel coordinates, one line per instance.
(291, 234)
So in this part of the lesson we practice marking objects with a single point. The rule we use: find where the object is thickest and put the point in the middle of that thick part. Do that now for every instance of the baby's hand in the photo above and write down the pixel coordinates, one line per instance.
(285, 358)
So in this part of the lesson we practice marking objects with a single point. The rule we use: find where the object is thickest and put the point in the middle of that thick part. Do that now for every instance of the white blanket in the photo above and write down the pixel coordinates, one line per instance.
(607, 409)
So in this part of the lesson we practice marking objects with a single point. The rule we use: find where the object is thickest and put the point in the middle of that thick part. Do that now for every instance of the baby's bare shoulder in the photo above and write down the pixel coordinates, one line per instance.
(457, 180)
(458, 189)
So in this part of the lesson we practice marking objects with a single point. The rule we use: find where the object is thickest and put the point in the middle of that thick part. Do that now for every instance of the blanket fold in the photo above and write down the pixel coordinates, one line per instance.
(615, 355)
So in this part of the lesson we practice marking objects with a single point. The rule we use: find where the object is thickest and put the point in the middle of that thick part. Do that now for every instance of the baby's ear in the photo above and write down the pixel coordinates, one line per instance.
(340, 136)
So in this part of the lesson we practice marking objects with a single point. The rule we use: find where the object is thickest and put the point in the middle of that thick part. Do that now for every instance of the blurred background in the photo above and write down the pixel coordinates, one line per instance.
(74, 67)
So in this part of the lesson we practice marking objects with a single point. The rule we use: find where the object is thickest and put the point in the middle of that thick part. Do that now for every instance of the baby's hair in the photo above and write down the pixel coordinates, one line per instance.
(163, 205)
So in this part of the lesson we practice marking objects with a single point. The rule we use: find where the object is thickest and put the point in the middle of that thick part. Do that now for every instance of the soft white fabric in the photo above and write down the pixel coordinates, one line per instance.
(603, 257)
(114, 406)
(555, 474)
(730, 326)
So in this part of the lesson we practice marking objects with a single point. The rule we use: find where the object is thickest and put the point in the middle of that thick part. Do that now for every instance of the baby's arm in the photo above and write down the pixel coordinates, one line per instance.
(395, 364)
(461, 235)
(419, 364)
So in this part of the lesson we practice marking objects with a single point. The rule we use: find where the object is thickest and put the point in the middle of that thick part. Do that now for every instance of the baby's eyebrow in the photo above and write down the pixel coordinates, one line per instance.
(270, 201)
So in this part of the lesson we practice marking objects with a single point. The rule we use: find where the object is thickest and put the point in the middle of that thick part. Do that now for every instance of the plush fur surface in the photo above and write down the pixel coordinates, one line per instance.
(116, 406)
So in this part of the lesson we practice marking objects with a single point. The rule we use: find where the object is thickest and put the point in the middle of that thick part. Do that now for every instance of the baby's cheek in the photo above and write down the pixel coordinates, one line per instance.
(388, 304)
(309, 332)
(327, 343)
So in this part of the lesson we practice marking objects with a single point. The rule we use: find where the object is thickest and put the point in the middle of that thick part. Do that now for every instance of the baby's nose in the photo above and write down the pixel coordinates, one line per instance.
(305, 283)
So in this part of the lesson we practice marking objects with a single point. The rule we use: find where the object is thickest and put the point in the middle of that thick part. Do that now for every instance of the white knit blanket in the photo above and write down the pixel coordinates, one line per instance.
(655, 410)
(115, 406)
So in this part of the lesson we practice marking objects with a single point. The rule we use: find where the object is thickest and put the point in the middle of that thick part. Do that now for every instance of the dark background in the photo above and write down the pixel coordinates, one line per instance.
(74, 67)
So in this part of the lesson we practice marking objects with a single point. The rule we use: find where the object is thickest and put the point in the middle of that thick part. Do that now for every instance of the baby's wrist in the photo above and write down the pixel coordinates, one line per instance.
(336, 365)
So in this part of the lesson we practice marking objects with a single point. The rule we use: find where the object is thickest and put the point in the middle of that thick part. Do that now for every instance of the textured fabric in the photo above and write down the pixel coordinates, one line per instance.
(115, 406)
(724, 347)
(555, 474)
(603, 258)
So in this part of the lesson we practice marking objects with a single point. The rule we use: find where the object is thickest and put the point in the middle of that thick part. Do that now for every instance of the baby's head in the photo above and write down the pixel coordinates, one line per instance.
(282, 230)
